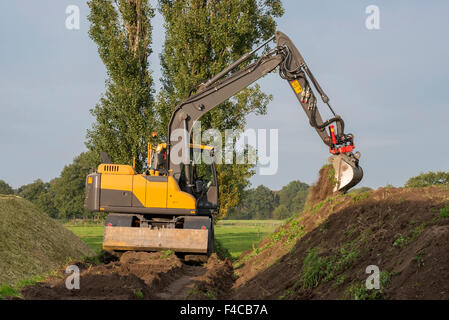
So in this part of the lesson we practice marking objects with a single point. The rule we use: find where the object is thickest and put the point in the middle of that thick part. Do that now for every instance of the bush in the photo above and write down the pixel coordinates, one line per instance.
(5, 188)
(439, 178)
(360, 190)
(444, 212)
(281, 212)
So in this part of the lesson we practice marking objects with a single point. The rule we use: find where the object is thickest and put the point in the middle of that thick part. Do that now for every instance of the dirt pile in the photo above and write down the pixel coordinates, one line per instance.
(32, 243)
(140, 275)
(324, 187)
(137, 275)
(325, 251)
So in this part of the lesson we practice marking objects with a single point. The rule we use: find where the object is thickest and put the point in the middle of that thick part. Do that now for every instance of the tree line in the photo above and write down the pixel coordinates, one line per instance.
(262, 203)
(63, 197)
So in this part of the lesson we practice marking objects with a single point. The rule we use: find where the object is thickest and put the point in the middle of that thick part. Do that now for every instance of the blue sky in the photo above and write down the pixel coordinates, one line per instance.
(389, 85)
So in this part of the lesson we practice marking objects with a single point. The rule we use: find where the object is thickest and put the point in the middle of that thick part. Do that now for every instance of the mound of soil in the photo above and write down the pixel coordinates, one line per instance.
(32, 243)
(140, 275)
(137, 275)
(324, 187)
(325, 251)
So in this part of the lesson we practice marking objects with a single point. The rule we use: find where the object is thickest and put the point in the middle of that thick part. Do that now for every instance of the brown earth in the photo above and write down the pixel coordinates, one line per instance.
(324, 187)
(324, 252)
(217, 281)
(136, 275)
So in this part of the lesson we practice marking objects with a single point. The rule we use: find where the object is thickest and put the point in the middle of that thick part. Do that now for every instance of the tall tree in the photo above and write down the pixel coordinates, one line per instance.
(258, 203)
(293, 196)
(202, 38)
(125, 114)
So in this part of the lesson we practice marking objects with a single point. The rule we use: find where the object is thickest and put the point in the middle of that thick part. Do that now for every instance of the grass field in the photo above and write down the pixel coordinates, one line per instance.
(240, 235)
(92, 234)
(235, 235)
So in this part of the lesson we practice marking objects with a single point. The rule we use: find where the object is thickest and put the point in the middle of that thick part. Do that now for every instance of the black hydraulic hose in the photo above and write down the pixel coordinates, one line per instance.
(337, 119)
(291, 75)
(233, 65)
(207, 91)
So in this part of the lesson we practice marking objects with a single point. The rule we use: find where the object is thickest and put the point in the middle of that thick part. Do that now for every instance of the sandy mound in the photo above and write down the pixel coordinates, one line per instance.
(32, 243)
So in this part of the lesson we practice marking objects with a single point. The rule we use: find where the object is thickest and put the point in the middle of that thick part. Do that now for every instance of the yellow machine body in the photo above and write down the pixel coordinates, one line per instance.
(148, 211)
(146, 191)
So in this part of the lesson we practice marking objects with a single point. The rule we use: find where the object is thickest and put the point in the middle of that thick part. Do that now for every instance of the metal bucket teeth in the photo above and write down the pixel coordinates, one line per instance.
(347, 172)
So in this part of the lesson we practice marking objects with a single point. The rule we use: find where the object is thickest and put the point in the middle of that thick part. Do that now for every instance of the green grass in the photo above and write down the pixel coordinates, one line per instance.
(240, 235)
(8, 292)
(166, 254)
(444, 212)
(234, 235)
(414, 233)
(319, 268)
(359, 291)
(138, 294)
(91, 234)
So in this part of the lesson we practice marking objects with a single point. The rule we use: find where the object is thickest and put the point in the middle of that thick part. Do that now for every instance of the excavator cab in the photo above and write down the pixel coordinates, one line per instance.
(203, 176)
(204, 185)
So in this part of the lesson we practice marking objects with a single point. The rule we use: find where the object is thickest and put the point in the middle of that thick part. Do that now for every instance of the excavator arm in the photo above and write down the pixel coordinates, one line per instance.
(292, 68)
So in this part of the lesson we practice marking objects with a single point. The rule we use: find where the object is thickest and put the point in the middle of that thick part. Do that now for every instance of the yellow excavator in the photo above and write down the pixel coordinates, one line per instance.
(172, 204)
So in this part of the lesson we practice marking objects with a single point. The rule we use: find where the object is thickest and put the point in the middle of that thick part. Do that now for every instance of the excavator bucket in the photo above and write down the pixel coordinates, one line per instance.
(146, 239)
(347, 171)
